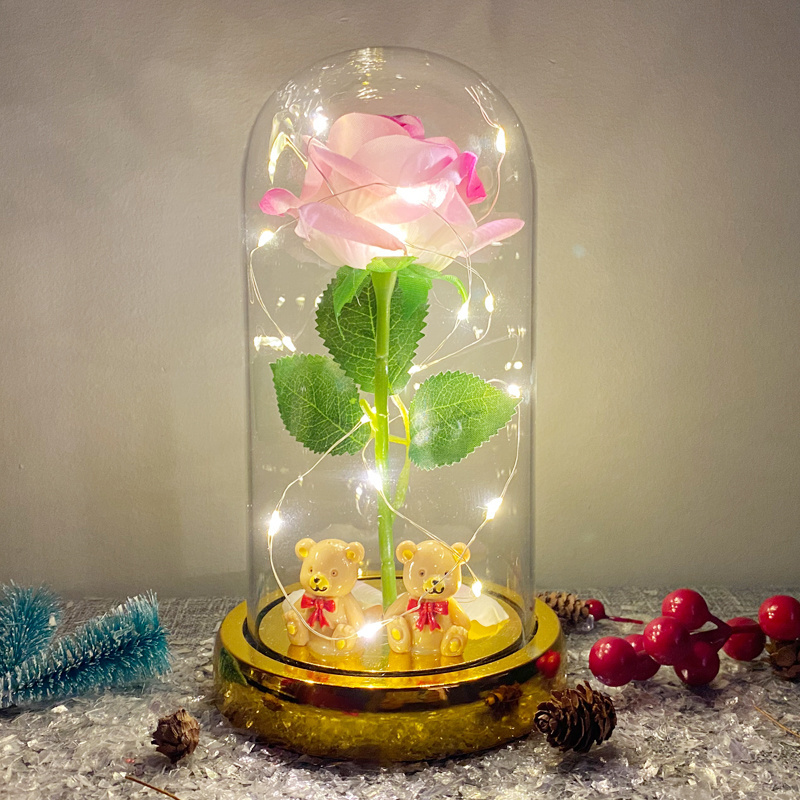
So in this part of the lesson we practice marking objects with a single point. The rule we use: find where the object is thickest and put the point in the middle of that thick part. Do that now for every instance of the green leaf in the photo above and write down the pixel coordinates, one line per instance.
(348, 283)
(318, 403)
(350, 337)
(433, 275)
(390, 264)
(453, 413)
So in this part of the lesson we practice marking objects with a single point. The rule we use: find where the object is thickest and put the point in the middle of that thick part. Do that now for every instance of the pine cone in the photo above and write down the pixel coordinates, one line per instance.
(177, 735)
(575, 719)
(504, 699)
(568, 607)
(785, 658)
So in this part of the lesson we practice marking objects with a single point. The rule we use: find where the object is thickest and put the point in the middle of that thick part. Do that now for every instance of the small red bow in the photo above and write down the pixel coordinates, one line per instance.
(427, 611)
(320, 604)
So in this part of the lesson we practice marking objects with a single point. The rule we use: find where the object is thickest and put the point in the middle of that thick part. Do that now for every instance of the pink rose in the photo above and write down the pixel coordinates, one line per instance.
(379, 188)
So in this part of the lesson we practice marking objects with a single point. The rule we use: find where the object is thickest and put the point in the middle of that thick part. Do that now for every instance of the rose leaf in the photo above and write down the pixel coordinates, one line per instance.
(451, 414)
(350, 335)
(318, 403)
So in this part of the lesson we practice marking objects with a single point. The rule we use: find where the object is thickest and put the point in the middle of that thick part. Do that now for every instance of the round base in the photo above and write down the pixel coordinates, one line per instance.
(402, 716)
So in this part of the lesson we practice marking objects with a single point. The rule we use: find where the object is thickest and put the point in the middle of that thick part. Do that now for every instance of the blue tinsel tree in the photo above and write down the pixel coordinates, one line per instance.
(28, 618)
(123, 647)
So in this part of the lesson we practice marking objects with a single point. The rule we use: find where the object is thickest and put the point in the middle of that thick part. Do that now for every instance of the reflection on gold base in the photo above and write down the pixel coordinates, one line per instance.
(336, 713)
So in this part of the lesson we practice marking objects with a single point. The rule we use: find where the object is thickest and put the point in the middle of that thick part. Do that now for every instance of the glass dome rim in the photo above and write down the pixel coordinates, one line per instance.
(317, 67)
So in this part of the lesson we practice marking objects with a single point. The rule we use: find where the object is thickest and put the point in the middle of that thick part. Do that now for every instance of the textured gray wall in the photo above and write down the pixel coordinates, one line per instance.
(666, 142)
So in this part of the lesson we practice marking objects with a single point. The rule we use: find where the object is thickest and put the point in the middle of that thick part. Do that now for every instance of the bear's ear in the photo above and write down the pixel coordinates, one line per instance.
(303, 548)
(355, 552)
(462, 551)
(405, 552)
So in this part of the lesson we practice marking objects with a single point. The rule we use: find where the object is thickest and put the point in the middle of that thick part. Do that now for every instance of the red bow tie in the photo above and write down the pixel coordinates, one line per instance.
(320, 604)
(427, 611)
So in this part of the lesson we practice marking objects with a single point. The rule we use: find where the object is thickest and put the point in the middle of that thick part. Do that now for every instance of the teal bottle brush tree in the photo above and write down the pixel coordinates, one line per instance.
(390, 209)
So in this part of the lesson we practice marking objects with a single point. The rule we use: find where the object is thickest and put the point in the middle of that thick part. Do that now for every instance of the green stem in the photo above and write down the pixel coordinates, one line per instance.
(383, 283)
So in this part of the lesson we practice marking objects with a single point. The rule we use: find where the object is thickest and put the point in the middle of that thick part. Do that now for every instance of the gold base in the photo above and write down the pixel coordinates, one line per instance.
(400, 716)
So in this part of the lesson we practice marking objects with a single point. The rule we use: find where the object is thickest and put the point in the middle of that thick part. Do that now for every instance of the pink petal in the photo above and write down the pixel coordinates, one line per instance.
(403, 161)
(331, 165)
(350, 131)
(412, 125)
(471, 186)
(493, 231)
(455, 212)
(276, 202)
(331, 220)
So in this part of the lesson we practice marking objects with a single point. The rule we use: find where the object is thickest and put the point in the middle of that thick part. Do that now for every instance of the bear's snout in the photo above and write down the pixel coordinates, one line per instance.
(434, 584)
(319, 583)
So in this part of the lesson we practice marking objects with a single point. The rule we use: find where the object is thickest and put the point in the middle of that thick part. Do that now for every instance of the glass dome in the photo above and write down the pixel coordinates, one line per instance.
(389, 224)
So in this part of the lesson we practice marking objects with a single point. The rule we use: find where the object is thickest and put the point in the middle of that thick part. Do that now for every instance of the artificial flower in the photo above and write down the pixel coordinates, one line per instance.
(378, 188)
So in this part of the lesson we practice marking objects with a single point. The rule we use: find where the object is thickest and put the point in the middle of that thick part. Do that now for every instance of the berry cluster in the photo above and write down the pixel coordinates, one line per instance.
(675, 639)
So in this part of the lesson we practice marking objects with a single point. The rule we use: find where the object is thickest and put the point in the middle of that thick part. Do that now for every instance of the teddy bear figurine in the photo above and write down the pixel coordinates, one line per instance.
(326, 617)
(425, 619)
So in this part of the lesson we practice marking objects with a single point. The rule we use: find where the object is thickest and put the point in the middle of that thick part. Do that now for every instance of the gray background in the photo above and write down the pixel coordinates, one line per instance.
(665, 136)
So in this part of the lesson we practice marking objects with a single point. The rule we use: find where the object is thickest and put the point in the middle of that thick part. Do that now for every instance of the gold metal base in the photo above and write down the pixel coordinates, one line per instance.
(343, 712)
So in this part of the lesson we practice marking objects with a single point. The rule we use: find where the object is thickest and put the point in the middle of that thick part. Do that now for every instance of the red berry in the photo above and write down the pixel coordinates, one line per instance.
(701, 667)
(645, 666)
(596, 609)
(548, 663)
(666, 640)
(612, 661)
(779, 617)
(688, 606)
(744, 646)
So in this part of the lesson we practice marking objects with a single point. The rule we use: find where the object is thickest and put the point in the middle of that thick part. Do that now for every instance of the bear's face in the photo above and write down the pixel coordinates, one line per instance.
(431, 568)
(330, 567)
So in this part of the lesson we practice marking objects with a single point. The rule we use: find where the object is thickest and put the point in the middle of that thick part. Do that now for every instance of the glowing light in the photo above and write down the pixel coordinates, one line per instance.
(463, 312)
(368, 631)
(500, 142)
(320, 123)
(375, 480)
(288, 344)
(489, 302)
(274, 525)
(517, 365)
(359, 492)
(265, 237)
(267, 341)
(281, 301)
(477, 587)
(493, 507)
(398, 231)
(431, 195)
(514, 390)
(414, 369)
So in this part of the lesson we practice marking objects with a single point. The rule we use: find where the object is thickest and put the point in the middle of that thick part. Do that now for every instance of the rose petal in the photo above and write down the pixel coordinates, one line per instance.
(403, 161)
(333, 165)
(351, 131)
(333, 220)
(412, 125)
(493, 231)
(277, 202)
(471, 187)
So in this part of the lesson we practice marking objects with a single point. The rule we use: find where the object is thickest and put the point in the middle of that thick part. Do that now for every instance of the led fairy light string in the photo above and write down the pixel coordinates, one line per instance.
(500, 146)
(491, 510)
